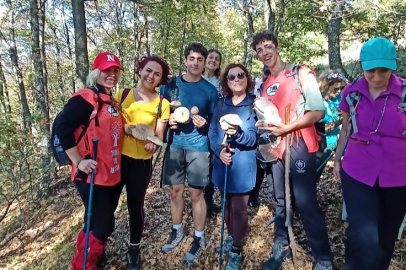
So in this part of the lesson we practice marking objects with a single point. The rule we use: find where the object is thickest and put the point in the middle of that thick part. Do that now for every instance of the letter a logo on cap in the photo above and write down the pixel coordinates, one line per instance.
(110, 57)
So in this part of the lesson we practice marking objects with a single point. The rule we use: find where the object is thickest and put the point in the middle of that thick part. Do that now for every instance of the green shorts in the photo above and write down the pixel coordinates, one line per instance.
(181, 165)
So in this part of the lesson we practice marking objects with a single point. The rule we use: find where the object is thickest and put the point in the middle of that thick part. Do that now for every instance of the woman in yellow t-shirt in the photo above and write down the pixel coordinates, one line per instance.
(141, 106)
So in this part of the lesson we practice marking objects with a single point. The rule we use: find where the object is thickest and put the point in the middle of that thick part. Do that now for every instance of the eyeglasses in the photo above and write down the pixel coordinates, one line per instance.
(231, 77)
(339, 88)
(377, 126)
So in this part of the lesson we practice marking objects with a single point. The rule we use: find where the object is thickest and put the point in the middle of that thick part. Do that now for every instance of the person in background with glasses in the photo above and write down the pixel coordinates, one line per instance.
(372, 173)
(331, 84)
(236, 84)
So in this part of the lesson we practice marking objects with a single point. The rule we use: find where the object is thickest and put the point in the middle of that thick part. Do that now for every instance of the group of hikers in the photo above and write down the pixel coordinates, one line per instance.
(365, 118)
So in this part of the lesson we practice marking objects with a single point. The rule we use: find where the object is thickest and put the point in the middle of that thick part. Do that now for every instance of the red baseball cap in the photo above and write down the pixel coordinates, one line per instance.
(106, 60)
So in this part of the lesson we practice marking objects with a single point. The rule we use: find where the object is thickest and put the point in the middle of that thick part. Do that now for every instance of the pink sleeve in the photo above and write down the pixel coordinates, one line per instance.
(343, 104)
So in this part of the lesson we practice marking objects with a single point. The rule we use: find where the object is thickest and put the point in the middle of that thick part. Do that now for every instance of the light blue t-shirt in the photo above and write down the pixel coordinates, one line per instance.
(201, 94)
(332, 114)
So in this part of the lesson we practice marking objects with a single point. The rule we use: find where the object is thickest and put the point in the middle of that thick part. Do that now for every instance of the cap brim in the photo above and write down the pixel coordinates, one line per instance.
(381, 63)
(109, 66)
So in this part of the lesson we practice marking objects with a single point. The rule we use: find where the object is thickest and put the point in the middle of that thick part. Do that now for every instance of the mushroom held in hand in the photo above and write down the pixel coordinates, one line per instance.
(194, 110)
(181, 115)
(144, 132)
(175, 104)
(267, 113)
(225, 122)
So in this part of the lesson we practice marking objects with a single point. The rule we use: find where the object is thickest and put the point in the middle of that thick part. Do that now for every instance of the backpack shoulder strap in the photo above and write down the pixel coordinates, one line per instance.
(353, 100)
(402, 104)
(125, 93)
(174, 94)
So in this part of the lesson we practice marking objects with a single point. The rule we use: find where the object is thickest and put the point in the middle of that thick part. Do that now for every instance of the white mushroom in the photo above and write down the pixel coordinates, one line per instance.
(225, 121)
(142, 131)
(194, 110)
(175, 104)
(181, 115)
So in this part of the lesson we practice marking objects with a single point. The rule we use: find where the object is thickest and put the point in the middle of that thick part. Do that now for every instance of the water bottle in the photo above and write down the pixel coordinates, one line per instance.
(61, 157)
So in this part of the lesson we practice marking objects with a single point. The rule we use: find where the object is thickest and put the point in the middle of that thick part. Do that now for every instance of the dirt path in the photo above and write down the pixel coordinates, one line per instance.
(43, 236)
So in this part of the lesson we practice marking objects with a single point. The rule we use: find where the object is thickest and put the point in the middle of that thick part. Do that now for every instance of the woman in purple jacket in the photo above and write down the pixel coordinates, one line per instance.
(372, 170)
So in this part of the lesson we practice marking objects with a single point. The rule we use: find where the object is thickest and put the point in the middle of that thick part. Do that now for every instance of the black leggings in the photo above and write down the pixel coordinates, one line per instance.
(135, 175)
(104, 203)
(236, 217)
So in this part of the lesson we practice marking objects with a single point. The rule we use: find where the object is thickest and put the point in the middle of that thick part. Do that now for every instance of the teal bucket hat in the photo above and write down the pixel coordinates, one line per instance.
(378, 53)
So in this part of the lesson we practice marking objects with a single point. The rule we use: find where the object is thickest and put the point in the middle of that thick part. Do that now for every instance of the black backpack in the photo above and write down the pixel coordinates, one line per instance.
(58, 153)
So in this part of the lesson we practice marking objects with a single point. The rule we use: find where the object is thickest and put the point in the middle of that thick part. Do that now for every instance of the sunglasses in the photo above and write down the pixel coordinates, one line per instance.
(231, 77)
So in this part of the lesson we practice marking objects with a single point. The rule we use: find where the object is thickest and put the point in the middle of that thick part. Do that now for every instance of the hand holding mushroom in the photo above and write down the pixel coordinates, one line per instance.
(267, 113)
(198, 120)
(230, 124)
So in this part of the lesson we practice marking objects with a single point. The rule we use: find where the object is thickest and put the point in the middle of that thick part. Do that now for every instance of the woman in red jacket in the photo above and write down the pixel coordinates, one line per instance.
(95, 108)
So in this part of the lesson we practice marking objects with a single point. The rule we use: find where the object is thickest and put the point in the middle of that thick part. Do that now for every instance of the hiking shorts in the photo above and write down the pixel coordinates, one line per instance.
(181, 165)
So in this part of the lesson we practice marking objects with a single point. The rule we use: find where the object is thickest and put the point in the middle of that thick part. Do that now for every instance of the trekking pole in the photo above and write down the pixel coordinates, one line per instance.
(89, 206)
(223, 210)
(288, 199)
(324, 162)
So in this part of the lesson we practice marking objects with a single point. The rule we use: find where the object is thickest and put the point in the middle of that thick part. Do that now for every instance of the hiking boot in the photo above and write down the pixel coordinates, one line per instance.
(195, 250)
(319, 266)
(279, 254)
(234, 261)
(227, 245)
(253, 203)
(133, 258)
(175, 238)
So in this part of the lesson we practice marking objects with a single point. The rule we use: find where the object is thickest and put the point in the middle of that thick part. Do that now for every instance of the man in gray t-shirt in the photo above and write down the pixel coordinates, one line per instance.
(307, 108)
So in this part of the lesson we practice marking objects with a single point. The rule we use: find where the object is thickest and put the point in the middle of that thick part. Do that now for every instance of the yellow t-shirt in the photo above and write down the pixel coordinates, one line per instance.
(136, 113)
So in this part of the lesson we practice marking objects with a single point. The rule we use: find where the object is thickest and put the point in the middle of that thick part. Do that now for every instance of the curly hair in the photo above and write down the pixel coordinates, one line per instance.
(223, 80)
(262, 36)
(328, 76)
(165, 68)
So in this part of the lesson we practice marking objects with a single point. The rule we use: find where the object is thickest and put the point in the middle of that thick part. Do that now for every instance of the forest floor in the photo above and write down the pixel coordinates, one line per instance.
(43, 235)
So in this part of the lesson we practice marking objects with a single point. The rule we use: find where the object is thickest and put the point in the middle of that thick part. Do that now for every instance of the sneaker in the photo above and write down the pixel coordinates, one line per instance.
(195, 251)
(319, 266)
(175, 238)
(279, 254)
(253, 203)
(227, 245)
(234, 261)
(133, 258)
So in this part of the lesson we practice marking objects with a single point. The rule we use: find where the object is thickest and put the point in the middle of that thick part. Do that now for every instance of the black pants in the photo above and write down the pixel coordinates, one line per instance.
(104, 203)
(374, 217)
(303, 187)
(135, 175)
(261, 172)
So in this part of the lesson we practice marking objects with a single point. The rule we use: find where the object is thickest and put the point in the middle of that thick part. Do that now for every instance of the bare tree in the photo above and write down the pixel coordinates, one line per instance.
(37, 19)
(4, 96)
(11, 41)
(82, 59)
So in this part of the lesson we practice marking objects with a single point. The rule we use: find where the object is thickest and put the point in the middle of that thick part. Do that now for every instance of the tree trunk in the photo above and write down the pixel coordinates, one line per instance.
(40, 90)
(270, 16)
(333, 36)
(250, 33)
(4, 97)
(82, 60)
(25, 110)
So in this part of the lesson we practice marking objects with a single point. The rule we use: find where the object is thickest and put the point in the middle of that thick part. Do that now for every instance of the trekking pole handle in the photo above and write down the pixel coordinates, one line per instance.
(95, 146)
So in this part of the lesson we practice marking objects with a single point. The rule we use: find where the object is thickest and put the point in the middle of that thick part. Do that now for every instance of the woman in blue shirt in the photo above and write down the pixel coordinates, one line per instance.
(236, 84)
(331, 84)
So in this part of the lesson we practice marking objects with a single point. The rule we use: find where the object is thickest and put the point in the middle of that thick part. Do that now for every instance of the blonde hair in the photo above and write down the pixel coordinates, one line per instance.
(91, 79)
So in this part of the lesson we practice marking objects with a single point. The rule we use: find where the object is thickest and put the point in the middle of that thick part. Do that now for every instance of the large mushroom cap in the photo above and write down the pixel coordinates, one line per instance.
(155, 140)
(194, 110)
(175, 103)
(142, 131)
(181, 115)
(261, 103)
(232, 119)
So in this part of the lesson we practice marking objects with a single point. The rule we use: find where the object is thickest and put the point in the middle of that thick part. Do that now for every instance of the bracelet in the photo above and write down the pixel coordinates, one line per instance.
(77, 164)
